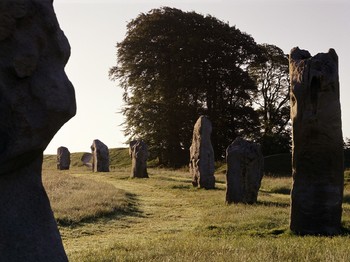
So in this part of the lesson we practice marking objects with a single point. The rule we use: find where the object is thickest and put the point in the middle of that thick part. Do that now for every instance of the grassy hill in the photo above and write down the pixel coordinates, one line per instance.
(111, 217)
(118, 158)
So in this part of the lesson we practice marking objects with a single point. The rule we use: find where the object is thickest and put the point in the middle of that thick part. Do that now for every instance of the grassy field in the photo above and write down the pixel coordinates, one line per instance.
(110, 217)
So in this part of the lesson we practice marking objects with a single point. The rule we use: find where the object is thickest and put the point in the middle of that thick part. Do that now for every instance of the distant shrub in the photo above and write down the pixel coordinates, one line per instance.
(278, 165)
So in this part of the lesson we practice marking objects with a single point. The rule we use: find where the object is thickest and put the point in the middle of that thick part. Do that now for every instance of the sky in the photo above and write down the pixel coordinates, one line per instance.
(94, 27)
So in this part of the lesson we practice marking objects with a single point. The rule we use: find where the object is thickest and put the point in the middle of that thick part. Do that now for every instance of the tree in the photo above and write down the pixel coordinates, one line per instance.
(175, 66)
(271, 74)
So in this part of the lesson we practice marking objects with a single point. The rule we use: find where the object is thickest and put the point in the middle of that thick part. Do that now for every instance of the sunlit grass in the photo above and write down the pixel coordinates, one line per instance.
(278, 185)
(74, 200)
(189, 247)
(165, 218)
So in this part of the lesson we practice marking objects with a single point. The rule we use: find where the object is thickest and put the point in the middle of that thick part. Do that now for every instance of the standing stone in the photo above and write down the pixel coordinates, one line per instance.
(317, 164)
(245, 166)
(63, 158)
(138, 151)
(202, 162)
(36, 99)
(100, 156)
(87, 159)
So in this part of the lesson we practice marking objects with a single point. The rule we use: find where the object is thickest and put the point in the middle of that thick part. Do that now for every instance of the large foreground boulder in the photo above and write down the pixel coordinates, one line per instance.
(36, 99)
(245, 168)
(202, 161)
(63, 158)
(138, 151)
(317, 161)
(100, 156)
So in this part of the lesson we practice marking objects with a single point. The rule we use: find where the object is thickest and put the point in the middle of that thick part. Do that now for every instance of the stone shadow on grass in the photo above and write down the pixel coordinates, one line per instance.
(272, 204)
(346, 198)
(130, 210)
(345, 230)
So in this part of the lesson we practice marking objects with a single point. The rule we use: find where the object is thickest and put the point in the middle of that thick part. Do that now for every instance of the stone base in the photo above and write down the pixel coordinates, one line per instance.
(207, 182)
(28, 230)
(316, 210)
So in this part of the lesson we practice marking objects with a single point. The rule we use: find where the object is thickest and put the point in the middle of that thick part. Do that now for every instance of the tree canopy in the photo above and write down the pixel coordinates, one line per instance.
(175, 66)
(271, 101)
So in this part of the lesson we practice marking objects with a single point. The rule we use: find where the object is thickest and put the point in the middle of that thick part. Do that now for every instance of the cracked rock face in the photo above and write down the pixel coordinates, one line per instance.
(138, 151)
(317, 143)
(63, 158)
(202, 161)
(36, 99)
(100, 156)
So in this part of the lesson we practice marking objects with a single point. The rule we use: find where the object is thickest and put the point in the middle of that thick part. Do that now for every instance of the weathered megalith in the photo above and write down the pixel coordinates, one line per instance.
(63, 158)
(245, 166)
(100, 156)
(138, 152)
(317, 158)
(87, 159)
(202, 162)
(36, 99)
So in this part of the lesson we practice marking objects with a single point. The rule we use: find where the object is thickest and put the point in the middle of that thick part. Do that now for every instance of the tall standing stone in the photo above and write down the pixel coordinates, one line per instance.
(202, 162)
(63, 158)
(138, 151)
(316, 205)
(100, 156)
(245, 167)
(36, 99)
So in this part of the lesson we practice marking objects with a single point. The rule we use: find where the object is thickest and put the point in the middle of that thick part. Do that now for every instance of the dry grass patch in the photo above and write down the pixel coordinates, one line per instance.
(75, 200)
(188, 247)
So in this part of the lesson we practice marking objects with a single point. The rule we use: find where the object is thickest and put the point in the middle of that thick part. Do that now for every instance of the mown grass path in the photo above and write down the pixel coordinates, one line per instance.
(157, 211)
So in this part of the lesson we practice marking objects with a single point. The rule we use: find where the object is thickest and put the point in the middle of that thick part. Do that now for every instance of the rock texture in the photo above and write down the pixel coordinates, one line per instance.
(317, 162)
(36, 99)
(100, 156)
(202, 155)
(245, 166)
(63, 158)
(87, 159)
(138, 151)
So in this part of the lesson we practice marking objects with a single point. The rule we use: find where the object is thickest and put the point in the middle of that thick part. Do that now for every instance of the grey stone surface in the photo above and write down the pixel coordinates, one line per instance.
(100, 156)
(87, 159)
(63, 158)
(138, 151)
(202, 161)
(36, 99)
(317, 160)
(245, 167)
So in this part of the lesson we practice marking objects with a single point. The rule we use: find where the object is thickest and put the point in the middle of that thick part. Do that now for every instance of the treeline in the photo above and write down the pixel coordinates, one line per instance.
(175, 66)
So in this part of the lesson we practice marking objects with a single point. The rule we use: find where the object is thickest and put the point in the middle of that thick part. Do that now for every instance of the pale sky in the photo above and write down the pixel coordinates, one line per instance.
(93, 27)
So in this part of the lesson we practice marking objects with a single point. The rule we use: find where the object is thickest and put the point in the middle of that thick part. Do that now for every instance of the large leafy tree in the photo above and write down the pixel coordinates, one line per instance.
(175, 66)
(271, 74)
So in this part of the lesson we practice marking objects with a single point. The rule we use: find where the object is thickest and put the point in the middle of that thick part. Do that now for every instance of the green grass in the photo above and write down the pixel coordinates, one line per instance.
(188, 247)
(164, 218)
(278, 185)
(76, 200)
